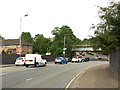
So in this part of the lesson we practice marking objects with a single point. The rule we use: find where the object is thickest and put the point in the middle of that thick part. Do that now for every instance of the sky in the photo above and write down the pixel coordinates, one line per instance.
(45, 15)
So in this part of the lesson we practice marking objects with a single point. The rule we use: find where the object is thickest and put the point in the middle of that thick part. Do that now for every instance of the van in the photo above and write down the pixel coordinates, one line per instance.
(34, 59)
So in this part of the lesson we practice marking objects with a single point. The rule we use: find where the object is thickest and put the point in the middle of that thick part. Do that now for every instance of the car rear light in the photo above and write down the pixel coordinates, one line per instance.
(35, 59)
(16, 60)
(22, 60)
(61, 59)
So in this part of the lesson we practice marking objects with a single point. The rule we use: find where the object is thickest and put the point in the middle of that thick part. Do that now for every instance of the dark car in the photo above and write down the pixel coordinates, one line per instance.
(99, 57)
(86, 59)
(83, 54)
(68, 59)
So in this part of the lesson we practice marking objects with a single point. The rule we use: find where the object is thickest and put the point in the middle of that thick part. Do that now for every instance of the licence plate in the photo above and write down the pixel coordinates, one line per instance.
(18, 62)
(27, 60)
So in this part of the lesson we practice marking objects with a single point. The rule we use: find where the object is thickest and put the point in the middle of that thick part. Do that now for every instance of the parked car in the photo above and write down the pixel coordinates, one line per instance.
(20, 61)
(99, 57)
(60, 60)
(34, 59)
(68, 59)
(77, 59)
(83, 54)
(85, 59)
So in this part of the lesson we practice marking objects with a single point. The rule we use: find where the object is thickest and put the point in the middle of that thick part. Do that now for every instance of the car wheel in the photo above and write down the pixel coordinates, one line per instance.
(37, 65)
(55, 63)
(61, 62)
(66, 62)
(45, 64)
(78, 61)
(17, 65)
(72, 61)
(27, 65)
(81, 60)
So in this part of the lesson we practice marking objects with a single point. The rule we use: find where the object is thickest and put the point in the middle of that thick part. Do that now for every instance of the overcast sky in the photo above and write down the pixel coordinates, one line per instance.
(44, 15)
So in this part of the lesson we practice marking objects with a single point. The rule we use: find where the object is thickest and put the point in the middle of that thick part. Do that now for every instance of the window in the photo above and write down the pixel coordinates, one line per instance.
(7, 46)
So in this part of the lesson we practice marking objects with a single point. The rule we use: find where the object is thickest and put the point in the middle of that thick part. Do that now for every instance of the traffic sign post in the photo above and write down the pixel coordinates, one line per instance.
(64, 49)
(63, 52)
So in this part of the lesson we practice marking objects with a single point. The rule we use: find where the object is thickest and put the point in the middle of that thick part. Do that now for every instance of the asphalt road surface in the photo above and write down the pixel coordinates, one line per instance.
(50, 76)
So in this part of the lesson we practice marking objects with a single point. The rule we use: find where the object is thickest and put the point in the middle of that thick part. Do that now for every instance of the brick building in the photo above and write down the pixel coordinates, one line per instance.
(12, 46)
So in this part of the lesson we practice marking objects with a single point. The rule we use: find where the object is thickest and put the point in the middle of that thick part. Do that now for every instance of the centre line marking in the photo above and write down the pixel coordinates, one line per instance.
(72, 80)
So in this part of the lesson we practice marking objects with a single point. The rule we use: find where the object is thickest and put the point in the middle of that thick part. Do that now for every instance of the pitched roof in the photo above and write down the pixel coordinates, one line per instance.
(15, 42)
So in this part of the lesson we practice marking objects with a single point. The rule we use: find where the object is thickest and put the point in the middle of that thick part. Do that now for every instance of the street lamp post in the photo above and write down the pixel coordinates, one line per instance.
(64, 46)
(20, 33)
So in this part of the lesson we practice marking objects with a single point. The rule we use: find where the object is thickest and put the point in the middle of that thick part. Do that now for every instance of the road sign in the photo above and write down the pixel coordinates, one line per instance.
(64, 48)
(63, 52)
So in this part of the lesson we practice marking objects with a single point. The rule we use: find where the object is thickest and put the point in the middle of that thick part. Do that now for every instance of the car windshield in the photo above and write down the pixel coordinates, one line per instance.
(59, 58)
(79, 57)
(19, 58)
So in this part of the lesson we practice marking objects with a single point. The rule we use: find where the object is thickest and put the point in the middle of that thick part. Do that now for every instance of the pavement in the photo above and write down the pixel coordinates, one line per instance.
(99, 76)
(7, 65)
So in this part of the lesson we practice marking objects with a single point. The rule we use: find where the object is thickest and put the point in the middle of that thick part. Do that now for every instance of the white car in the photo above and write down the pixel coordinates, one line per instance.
(77, 59)
(20, 61)
(34, 59)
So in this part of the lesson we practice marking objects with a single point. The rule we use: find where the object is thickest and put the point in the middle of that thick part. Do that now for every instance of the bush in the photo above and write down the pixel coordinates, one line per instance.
(3, 52)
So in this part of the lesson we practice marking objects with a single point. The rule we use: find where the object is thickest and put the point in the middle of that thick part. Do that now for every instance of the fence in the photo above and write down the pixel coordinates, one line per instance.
(114, 61)
(8, 58)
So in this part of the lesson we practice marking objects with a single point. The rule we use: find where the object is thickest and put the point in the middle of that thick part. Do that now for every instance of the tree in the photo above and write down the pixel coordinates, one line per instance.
(107, 32)
(1, 38)
(78, 41)
(41, 44)
(85, 41)
(3, 52)
(65, 32)
(26, 36)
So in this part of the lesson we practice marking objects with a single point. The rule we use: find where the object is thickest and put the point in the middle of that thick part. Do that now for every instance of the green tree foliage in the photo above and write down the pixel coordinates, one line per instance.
(3, 52)
(107, 32)
(57, 45)
(26, 36)
(1, 38)
(41, 44)
(78, 41)
(85, 41)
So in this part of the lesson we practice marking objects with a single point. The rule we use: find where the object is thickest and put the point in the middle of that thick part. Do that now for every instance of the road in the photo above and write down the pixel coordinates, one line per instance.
(51, 76)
